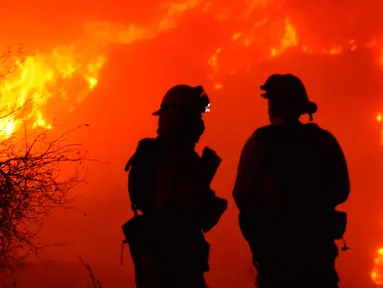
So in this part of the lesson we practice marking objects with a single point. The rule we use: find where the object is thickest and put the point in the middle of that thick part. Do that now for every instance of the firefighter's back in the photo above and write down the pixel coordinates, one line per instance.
(297, 205)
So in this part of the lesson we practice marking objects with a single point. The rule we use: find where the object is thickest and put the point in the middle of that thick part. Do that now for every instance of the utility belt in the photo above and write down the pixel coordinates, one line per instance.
(322, 226)
(265, 235)
(149, 244)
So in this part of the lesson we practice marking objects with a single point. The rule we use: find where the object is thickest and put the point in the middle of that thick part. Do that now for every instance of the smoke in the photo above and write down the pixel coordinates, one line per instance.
(327, 20)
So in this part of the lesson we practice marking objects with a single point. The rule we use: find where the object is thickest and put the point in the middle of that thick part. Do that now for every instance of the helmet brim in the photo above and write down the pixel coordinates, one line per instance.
(157, 113)
(264, 91)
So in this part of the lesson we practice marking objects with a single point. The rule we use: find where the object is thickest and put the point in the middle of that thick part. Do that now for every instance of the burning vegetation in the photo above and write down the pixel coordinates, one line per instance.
(70, 72)
(35, 79)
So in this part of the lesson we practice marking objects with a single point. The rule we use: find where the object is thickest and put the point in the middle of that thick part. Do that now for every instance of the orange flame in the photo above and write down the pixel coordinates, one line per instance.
(289, 39)
(220, 64)
(377, 272)
(36, 79)
(379, 119)
(40, 76)
(258, 34)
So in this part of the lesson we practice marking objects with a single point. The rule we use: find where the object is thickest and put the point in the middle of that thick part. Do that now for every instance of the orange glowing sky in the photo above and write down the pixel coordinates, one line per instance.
(108, 63)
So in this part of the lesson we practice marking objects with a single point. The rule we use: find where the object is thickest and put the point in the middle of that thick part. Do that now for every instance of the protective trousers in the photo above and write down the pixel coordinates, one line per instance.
(300, 270)
(160, 276)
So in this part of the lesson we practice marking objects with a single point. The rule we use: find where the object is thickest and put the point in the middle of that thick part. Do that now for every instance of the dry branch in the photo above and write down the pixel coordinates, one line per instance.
(95, 282)
(36, 175)
(34, 178)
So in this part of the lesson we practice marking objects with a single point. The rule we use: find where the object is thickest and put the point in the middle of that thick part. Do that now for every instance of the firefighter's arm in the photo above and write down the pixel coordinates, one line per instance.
(244, 187)
(245, 193)
(341, 180)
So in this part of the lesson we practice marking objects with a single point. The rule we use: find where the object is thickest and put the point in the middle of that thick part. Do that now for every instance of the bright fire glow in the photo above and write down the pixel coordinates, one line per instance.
(69, 72)
(38, 78)
(377, 272)
(289, 39)
(284, 36)
(379, 119)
